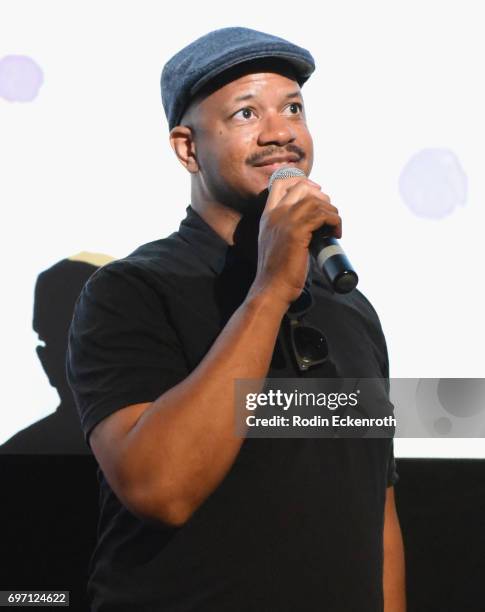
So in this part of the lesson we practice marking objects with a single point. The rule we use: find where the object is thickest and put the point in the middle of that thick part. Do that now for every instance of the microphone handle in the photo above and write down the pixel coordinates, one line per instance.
(333, 261)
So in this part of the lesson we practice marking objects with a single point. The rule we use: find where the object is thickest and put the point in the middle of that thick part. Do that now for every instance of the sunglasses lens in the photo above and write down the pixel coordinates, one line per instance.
(310, 344)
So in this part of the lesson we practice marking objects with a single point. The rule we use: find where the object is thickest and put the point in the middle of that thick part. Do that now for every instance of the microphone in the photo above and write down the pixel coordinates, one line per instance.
(330, 256)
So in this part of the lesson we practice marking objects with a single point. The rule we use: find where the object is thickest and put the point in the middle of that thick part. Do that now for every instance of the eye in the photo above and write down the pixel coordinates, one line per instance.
(245, 112)
(298, 105)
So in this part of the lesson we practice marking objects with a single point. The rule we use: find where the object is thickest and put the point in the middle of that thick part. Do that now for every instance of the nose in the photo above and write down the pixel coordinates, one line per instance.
(275, 129)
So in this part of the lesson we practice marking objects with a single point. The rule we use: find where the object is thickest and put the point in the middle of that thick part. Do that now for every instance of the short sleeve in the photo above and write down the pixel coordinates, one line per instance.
(122, 349)
(392, 475)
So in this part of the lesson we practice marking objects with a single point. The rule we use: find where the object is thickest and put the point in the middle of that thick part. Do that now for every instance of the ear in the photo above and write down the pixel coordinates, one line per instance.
(183, 144)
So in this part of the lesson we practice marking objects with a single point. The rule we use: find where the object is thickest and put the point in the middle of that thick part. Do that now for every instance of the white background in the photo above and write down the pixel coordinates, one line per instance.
(87, 166)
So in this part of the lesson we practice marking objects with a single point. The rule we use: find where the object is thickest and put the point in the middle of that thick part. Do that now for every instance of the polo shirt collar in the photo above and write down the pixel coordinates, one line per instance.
(207, 244)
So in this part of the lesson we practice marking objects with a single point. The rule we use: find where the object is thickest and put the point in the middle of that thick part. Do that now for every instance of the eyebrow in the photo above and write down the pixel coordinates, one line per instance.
(293, 94)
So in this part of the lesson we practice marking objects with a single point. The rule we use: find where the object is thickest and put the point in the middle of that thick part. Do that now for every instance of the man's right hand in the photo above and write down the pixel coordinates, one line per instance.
(295, 208)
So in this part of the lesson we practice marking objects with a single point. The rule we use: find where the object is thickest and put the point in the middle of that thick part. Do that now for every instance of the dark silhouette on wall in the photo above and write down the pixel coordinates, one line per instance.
(56, 292)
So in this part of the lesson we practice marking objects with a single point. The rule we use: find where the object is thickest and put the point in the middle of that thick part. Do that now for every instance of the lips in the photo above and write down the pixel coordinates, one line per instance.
(269, 161)
(269, 164)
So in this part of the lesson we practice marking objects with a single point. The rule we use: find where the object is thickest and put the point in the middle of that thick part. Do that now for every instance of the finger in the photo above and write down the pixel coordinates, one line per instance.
(301, 189)
(308, 205)
(320, 218)
(279, 189)
(306, 201)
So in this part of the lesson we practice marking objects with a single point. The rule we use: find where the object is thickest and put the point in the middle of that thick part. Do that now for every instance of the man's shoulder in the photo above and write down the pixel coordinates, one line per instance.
(157, 255)
(172, 254)
(167, 247)
(152, 271)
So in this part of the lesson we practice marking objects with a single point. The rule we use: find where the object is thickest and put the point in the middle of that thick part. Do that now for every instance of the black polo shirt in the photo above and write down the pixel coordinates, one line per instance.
(297, 524)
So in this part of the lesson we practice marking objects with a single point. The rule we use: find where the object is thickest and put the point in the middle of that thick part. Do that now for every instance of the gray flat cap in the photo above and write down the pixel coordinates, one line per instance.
(194, 66)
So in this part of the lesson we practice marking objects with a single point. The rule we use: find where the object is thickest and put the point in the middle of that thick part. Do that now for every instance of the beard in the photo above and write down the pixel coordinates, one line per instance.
(244, 203)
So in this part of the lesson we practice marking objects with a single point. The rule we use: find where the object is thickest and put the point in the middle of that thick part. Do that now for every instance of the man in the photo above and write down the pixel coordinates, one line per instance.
(194, 517)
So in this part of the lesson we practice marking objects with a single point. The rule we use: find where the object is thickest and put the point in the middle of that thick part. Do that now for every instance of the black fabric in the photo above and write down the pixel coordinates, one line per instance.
(297, 523)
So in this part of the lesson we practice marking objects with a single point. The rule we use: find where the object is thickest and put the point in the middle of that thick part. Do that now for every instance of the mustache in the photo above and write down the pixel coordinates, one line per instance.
(256, 158)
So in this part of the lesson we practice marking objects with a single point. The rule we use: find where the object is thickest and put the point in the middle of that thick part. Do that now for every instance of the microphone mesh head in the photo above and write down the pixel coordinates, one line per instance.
(283, 173)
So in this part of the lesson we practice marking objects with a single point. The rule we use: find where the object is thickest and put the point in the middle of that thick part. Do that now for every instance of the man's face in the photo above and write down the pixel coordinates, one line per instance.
(240, 127)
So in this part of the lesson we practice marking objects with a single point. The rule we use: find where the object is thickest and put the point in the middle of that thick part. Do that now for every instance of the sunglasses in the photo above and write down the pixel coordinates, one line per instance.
(309, 345)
